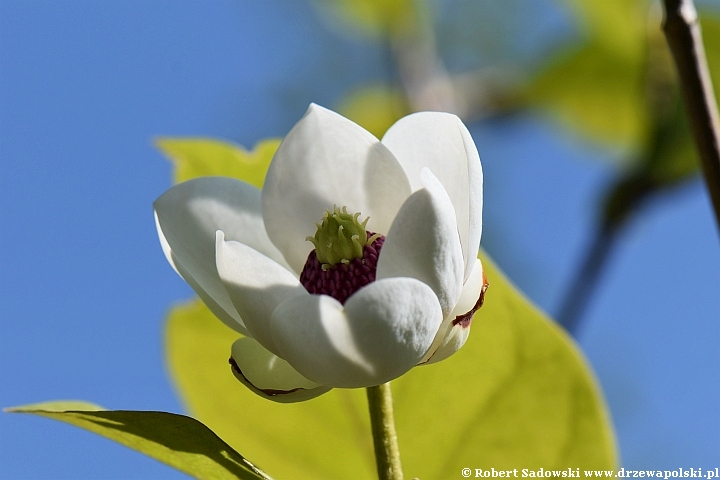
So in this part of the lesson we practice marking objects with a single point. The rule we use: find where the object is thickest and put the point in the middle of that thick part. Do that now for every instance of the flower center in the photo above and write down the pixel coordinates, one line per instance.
(345, 256)
(340, 238)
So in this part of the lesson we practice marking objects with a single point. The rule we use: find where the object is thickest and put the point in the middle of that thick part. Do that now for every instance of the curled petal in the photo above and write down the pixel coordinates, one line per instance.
(187, 217)
(423, 243)
(328, 160)
(269, 376)
(455, 329)
(453, 341)
(441, 142)
(256, 286)
(382, 332)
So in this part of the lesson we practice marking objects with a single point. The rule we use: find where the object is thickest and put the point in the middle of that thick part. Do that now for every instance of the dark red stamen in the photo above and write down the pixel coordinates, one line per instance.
(343, 279)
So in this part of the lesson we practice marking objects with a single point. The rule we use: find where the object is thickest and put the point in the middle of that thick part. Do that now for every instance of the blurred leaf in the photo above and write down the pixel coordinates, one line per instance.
(619, 26)
(710, 25)
(596, 86)
(177, 440)
(376, 18)
(202, 157)
(374, 108)
(670, 157)
(674, 157)
(595, 94)
(519, 393)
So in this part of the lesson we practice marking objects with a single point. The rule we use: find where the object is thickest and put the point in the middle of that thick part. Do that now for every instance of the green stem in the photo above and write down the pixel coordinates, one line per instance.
(387, 453)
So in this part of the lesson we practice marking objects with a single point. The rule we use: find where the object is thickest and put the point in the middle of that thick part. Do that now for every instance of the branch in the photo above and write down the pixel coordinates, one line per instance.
(682, 31)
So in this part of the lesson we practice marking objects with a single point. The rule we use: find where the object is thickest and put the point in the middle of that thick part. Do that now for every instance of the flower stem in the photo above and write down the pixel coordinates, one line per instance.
(387, 453)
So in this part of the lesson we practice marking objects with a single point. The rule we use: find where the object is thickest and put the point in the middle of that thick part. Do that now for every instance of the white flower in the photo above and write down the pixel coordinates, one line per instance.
(243, 251)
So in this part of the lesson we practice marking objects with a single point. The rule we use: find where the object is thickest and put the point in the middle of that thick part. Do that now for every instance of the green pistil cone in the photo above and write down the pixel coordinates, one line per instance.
(339, 237)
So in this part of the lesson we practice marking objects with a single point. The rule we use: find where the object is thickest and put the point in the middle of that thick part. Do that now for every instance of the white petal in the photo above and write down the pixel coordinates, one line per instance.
(441, 142)
(228, 316)
(383, 331)
(256, 286)
(165, 245)
(328, 160)
(423, 243)
(196, 209)
(456, 327)
(187, 217)
(269, 376)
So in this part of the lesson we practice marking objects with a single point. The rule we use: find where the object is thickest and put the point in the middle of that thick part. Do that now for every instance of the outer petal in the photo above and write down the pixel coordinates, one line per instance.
(269, 376)
(384, 329)
(423, 243)
(326, 160)
(442, 143)
(187, 217)
(255, 284)
(230, 317)
(456, 327)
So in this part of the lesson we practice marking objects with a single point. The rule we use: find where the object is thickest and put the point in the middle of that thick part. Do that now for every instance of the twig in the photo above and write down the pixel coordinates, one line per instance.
(578, 296)
(682, 31)
(426, 83)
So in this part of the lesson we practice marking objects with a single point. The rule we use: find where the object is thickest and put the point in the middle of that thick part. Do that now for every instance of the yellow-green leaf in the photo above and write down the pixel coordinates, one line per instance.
(519, 393)
(376, 18)
(618, 25)
(595, 86)
(290, 440)
(177, 440)
(374, 108)
(599, 85)
(203, 157)
(595, 93)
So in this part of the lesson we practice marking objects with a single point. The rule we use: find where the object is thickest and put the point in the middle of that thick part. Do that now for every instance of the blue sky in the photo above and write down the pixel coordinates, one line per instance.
(85, 86)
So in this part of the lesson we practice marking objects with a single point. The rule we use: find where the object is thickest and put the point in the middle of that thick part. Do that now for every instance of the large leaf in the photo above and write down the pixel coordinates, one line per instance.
(177, 440)
(518, 393)
(203, 157)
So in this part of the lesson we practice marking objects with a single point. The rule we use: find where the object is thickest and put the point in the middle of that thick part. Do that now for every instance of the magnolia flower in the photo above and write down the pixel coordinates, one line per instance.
(356, 261)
